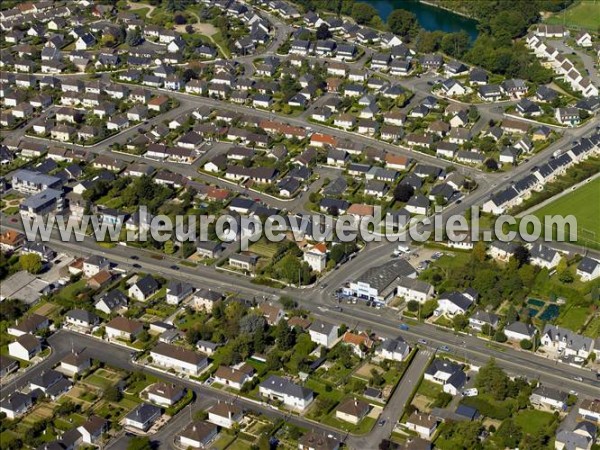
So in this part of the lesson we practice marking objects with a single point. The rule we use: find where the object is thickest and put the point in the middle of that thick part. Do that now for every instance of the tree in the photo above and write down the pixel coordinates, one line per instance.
(134, 37)
(31, 262)
(284, 336)
(499, 336)
(491, 164)
(456, 44)
(508, 25)
(179, 19)
(479, 252)
(113, 394)
(251, 323)
(169, 247)
(139, 443)
(402, 22)
(363, 13)
(460, 322)
(429, 41)
(492, 380)
(403, 192)
(526, 344)
(509, 434)
(521, 255)
(412, 306)
(323, 32)
(287, 302)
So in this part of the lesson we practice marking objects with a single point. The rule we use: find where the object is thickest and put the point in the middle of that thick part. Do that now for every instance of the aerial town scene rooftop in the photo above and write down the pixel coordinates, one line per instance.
(120, 330)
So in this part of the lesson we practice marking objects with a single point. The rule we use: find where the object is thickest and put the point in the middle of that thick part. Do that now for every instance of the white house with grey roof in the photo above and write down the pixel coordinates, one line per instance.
(518, 331)
(566, 342)
(588, 269)
(580, 438)
(452, 303)
(548, 397)
(379, 283)
(395, 349)
(178, 358)
(413, 289)
(323, 333)
(481, 318)
(178, 291)
(142, 417)
(447, 373)
(143, 289)
(543, 256)
(286, 391)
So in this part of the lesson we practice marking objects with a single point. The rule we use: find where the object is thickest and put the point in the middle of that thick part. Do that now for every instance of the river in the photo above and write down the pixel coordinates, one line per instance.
(429, 17)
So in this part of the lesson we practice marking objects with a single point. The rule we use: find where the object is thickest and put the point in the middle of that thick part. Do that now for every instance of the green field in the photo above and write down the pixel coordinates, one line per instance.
(584, 205)
(581, 15)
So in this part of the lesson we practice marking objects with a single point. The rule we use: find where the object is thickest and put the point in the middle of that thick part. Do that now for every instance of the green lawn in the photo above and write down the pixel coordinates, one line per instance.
(533, 421)
(429, 389)
(573, 318)
(363, 427)
(583, 204)
(593, 328)
(581, 15)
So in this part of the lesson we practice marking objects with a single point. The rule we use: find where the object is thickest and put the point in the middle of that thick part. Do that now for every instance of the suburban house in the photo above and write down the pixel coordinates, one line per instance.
(352, 410)
(164, 394)
(422, 424)
(566, 342)
(590, 410)
(412, 289)
(481, 318)
(323, 333)
(582, 437)
(360, 343)
(178, 291)
(178, 358)
(452, 303)
(143, 288)
(547, 397)
(198, 434)
(518, 331)
(447, 373)
(111, 302)
(75, 363)
(82, 319)
(588, 269)
(29, 325)
(234, 377)
(122, 328)
(25, 347)
(318, 441)
(225, 414)
(92, 429)
(142, 417)
(16, 404)
(284, 390)
(394, 349)
(272, 313)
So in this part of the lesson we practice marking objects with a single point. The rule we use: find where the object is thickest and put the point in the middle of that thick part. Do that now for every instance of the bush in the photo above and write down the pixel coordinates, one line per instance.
(526, 344)
(180, 19)
(499, 336)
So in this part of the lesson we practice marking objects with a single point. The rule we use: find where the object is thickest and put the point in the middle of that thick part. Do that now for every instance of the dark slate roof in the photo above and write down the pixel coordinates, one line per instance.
(285, 386)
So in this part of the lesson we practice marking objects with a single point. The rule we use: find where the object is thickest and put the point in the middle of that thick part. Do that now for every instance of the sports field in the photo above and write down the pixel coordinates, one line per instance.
(583, 14)
(584, 204)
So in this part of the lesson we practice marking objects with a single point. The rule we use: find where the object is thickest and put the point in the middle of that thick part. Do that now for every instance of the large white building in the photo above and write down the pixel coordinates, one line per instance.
(179, 359)
(284, 390)
(379, 283)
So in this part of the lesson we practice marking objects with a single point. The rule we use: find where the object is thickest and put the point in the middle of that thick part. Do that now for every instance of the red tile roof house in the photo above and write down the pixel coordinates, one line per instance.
(159, 104)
